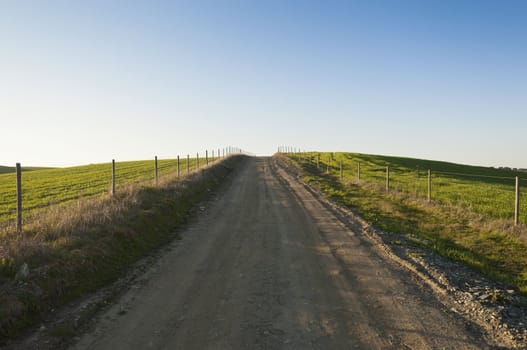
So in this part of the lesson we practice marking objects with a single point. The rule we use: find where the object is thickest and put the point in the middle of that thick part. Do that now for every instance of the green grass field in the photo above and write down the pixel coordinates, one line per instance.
(470, 218)
(42, 188)
(7, 169)
(484, 190)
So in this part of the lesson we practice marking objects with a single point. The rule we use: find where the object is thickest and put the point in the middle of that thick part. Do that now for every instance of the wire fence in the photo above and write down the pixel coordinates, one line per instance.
(26, 193)
(484, 190)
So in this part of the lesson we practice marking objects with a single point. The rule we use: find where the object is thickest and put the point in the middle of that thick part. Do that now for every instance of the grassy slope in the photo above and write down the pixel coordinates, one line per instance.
(6, 169)
(84, 245)
(61, 185)
(486, 190)
(473, 234)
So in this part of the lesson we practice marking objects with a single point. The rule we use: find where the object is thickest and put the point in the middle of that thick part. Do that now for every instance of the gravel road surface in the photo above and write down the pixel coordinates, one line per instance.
(269, 266)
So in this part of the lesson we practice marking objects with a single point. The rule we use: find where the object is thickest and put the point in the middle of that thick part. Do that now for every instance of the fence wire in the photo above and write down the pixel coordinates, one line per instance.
(487, 194)
(43, 188)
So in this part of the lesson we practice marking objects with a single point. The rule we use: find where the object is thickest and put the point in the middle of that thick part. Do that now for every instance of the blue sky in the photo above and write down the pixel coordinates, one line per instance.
(88, 81)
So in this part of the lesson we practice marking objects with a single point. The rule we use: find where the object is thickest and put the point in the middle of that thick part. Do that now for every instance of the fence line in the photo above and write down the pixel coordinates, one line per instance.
(475, 175)
(113, 177)
(18, 198)
(429, 186)
(517, 203)
(400, 179)
(156, 174)
(19, 209)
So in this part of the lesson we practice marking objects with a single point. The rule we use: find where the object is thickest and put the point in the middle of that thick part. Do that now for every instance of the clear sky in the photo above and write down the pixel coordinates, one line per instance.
(88, 81)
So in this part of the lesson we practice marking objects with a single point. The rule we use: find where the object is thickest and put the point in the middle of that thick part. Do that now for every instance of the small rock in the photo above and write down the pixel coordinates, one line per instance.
(513, 313)
(22, 273)
(484, 296)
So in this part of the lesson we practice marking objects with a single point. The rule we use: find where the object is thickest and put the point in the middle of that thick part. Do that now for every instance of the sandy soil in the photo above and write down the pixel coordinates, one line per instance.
(269, 266)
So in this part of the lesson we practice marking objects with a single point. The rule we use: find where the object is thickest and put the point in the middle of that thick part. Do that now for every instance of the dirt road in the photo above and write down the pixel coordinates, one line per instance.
(268, 266)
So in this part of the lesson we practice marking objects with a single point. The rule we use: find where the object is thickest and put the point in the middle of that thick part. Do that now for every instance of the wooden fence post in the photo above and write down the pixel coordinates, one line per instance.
(178, 165)
(113, 177)
(358, 172)
(212, 160)
(429, 196)
(18, 198)
(206, 157)
(155, 169)
(517, 203)
(188, 164)
(197, 160)
(387, 179)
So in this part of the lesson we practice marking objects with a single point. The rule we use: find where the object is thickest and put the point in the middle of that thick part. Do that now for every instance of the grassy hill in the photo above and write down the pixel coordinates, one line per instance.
(7, 169)
(44, 187)
(470, 217)
(484, 190)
